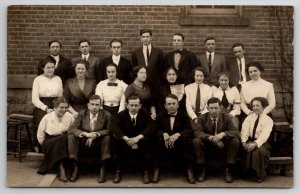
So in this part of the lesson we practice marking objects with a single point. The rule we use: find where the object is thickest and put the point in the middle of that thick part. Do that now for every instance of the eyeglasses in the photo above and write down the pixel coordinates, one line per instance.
(116, 47)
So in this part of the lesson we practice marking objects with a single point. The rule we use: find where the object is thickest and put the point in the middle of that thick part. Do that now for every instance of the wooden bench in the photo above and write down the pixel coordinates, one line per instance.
(281, 165)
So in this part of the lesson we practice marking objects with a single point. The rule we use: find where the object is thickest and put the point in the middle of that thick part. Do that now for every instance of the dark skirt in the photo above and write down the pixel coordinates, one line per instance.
(112, 109)
(55, 149)
(258, 160)
(38, 114)
(79, 107)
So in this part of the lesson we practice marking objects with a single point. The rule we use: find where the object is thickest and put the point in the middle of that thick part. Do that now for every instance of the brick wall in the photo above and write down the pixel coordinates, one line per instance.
(30, 27)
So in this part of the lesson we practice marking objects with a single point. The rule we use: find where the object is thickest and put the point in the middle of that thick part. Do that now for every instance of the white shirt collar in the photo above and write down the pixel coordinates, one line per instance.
(55, 57)
(225, 89)
(116, 57)
(91, 115)
(214, 118)
(133, 116)
(86, 56)
(149, 47)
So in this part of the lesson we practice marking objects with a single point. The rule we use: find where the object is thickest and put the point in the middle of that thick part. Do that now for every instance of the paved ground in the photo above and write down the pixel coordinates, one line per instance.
(24, 175)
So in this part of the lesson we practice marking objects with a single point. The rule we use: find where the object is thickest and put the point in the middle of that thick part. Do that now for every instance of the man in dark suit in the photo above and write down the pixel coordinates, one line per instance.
(183, 60)
(85, 48)
(212, 62)
(215, 135)
(124, 66)
(63, 66)
(174, 138)
(91, 132)
(238, 67)
(132, 129)
(150, 57)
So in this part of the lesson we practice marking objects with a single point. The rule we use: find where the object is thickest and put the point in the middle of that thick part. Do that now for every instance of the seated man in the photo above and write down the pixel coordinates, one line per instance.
(174, 137)
(215, 134)
(132, 129)
(91, 135)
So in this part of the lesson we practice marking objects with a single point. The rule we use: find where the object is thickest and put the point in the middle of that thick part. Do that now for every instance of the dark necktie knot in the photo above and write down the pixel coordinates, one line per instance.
(177, 52)
(112, 84)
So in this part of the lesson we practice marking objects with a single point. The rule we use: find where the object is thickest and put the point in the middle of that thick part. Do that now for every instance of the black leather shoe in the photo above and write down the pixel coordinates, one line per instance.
(63, 177)
(102, 177)
(117, 177)
(190, 176)
(228, 177)
(155, 175)
(202, 175)
(146, 178)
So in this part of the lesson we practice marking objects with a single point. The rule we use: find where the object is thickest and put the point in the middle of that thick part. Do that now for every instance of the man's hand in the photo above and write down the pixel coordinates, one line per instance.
(89, 142)
(220, 136)
(134, 140)
(172, 139)
(166, 139)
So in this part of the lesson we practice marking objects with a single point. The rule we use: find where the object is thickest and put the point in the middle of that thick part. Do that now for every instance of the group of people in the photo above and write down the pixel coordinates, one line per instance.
(176, 107)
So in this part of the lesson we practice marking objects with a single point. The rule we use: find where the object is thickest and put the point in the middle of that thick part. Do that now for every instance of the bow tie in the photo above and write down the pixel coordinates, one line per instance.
(112, 84)
(177, 51)
(172, 115)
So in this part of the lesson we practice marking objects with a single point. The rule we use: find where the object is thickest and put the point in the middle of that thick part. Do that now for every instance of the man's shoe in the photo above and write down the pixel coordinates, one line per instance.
(155, 175)
(202, 175)
(102, 177)
(228, 177)
(117, 177)
(146, 178)
(190, 176)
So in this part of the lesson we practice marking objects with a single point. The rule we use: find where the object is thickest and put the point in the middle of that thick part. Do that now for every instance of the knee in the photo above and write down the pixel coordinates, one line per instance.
(106, 139)
(197, 141)
(235, 142)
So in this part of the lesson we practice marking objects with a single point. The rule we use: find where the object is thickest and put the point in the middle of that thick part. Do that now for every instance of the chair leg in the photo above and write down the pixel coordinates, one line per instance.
(29, 137)
(19, 143)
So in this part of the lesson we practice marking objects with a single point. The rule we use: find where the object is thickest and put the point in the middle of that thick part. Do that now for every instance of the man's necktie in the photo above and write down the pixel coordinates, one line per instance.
(197, 102)
(177, 57)
(112, 84)
(93, 123)
(254, 128)
(224, 101)
(209, 62)
(148, 54)
(240, 69)
(214, 126)
(133, 121)
(84, 58)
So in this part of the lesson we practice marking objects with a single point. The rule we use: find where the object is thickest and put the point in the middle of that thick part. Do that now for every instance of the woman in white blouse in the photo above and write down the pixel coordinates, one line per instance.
(256, 87)
(52, 136)
(256, 130)
(46, 87)
(111, 91)
(229, 96)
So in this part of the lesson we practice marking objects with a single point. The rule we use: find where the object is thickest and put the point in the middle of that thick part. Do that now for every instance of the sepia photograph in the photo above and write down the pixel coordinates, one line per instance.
(150, 96)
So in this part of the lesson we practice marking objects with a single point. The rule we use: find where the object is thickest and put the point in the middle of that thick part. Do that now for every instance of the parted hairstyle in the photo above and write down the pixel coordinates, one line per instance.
(50, 42)
(264, 102)
(135, 71)
(173, 96)
(213, 100)
(209, 38)
(57, 101)
(84, 40)
(179, 34)
(142, 31)
(132, 97)
(255, 64)
(237, 44)
(48, 59)
(85, 63)
(198, 69)
(95, 97)
(223, 73)
(115, 40)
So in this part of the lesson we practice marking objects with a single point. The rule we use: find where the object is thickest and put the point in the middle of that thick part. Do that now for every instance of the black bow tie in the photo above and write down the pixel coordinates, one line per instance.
(177, 51)
(112, 84)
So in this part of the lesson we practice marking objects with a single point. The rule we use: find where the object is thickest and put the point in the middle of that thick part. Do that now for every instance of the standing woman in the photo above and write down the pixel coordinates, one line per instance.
(171, 85)
(142, 90)
(53, 137)
(46, 87)
(256, 87)
(229, 97)
(256, 130)
(79, 89)
(111, 91)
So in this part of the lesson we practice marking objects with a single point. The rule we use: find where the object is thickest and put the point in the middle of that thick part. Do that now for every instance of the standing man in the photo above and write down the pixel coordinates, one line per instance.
(85, 48)
(63, 66)
(132, 129)
(124, 66)
(212, 62)
(183, 60)
(91, 135)
(237, 67)
(215, 135)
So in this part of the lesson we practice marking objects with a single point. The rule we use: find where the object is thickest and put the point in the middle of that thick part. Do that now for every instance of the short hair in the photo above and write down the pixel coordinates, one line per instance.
(198, 69)
(223, 73)
(111, 65)
(84, 40)
(48, 59)
(237, 44)
(179, 34)
(57, 101)
(95, 97)
(142, 31)
(264, 102)
(213, 100)
(255, 64)
(135, 71)
(209, 38)
(132, 97)
(115, 40)
(173, 96)
(52, 41)
(85, 63)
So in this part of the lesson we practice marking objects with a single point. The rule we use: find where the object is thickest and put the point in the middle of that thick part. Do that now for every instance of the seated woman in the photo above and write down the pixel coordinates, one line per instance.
(141, 89)
(111, 91)
(230, 98)
(46, 87)
(256, 130)
(172, 86)
(254, 88)
(79, 89)
(52, 135)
